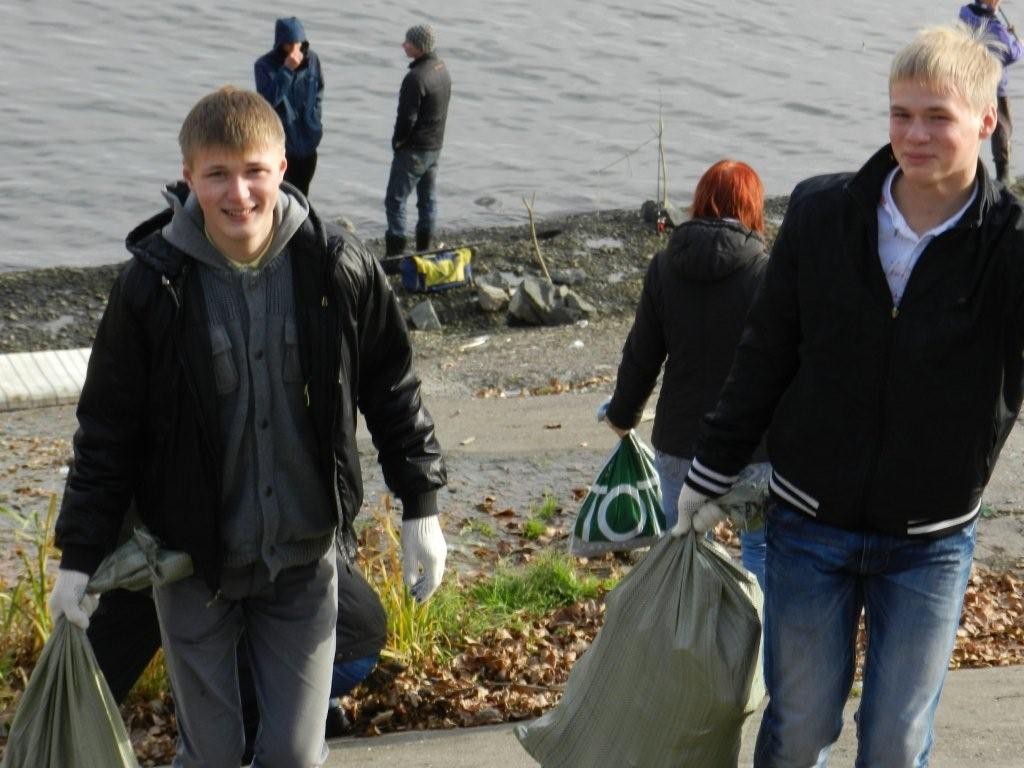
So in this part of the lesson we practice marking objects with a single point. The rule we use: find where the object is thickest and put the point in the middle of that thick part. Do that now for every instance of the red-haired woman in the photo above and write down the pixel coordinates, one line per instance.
(690, 317)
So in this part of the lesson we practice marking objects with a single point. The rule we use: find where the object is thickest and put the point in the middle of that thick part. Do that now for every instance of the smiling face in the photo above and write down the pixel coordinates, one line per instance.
(237, 192)
(936, 136)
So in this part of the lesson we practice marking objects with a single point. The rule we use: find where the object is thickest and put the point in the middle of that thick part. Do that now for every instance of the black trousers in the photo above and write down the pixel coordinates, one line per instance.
(1001, 139)
(300, 171)
(125, 635)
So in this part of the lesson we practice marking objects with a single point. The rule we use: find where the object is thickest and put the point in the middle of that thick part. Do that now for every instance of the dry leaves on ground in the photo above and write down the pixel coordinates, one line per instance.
(517, 674)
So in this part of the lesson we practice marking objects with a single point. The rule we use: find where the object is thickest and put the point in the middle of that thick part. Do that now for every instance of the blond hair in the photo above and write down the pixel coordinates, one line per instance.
(231, 118)
(955, 59)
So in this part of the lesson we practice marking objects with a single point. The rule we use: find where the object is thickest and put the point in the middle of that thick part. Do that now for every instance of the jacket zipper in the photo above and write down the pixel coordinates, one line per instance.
(887, 360)
(869, 480)
(174, 288)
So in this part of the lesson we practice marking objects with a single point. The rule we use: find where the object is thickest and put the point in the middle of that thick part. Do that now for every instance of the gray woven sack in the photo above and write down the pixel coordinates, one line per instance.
(67, 717)
(671, 676)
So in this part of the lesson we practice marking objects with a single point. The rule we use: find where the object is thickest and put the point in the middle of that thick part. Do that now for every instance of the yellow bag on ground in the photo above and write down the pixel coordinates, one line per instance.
(437, 271)
(671, 676)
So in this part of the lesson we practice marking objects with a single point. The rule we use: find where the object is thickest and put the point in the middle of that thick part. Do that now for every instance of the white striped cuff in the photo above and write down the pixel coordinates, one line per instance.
(784, 489)
(707, 481)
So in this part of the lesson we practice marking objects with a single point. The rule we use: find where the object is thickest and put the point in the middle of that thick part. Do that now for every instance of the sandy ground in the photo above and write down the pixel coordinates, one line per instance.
(506, 451)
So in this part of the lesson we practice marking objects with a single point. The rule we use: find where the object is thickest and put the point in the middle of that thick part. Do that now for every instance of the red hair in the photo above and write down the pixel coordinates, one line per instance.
(730, 189)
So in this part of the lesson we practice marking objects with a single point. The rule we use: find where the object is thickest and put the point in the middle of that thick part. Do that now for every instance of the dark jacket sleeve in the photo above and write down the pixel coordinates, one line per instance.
(110, 412)
(272, 83)
(765, 363)
(642, 355)
(409, 98)
(389, 392)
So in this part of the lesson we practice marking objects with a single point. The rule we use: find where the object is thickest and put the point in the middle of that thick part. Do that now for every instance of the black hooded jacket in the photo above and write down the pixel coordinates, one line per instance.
(147, 414)
(692, 310)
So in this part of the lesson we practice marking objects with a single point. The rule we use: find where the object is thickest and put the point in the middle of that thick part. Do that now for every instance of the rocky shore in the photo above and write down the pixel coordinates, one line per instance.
(601, 255)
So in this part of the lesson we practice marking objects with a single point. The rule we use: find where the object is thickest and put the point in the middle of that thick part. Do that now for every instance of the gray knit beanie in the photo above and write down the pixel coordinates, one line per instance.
(422, 36)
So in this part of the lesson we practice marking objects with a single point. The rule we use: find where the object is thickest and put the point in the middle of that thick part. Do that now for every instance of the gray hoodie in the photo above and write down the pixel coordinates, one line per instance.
(274, 503)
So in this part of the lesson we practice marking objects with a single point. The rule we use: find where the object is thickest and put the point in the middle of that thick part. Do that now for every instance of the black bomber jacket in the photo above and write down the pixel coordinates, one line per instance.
(879, 418)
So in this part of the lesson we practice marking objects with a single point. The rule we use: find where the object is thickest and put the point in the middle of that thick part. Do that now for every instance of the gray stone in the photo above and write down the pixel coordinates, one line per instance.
(577, 303)
(501, 279)
(492, 298)
(538, 302)
(570, 276)
(605, 244)
(424, 318)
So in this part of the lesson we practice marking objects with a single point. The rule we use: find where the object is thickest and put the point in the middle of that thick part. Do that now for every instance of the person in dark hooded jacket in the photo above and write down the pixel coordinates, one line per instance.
(289, 77)
(690, 317)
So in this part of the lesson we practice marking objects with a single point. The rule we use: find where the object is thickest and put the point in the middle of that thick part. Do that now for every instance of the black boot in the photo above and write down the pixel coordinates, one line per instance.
(422, 242)
(337, 724)
(394, 246)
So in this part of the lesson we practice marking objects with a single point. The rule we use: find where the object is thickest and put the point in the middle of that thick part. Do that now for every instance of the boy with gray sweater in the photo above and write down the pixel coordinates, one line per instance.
(221, 395)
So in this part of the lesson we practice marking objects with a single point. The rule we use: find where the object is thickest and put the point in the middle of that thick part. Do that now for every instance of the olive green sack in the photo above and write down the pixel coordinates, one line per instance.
(671, 676)
(67, 717)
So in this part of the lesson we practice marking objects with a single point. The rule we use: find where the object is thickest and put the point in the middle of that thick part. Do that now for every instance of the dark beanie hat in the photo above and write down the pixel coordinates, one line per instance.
(422, 36)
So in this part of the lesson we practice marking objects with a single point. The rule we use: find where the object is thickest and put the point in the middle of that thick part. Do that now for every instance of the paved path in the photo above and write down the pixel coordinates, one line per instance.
(978, 725)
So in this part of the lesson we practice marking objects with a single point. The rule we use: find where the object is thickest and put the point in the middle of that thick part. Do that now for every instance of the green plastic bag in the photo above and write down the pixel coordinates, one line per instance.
(671, 676)
(67, 717)
(623, 507)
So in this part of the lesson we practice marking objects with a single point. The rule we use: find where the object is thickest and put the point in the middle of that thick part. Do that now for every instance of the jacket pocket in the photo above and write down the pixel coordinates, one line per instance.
(225, 373)
(292, 361)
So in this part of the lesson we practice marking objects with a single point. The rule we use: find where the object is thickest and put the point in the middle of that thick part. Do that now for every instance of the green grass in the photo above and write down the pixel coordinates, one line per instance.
(534, 528)
(24, 617)
(548, 582)
(546, 510)
(541, 515)
(479, 527)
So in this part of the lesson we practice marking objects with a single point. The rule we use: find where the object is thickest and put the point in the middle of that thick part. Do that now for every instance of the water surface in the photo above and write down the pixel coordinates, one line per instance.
(559, 99)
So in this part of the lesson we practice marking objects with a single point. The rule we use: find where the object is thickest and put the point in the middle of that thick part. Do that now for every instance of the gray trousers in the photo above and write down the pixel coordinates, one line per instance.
(289, 626)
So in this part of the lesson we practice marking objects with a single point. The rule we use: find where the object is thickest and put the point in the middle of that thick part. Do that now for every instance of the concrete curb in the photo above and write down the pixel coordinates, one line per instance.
(35, 379)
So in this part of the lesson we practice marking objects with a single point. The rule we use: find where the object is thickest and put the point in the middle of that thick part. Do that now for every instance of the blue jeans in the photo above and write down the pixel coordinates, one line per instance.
(752, 553)
(818, 580)
(412, 169)
(348, 674)
(671, 474)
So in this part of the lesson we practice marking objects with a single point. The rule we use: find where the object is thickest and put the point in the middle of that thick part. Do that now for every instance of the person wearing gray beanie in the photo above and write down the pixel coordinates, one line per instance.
(422, 36)
(416, 141)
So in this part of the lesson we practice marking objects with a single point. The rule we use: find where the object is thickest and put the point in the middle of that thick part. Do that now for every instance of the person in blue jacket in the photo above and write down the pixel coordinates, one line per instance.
(289, 77)
(1004, 44)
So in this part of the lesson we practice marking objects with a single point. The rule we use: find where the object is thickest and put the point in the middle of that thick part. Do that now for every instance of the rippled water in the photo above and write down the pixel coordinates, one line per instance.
(548, 98)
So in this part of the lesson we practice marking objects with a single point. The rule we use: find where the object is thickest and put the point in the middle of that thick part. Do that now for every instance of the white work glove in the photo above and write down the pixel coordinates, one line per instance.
(423, 546)
(695, 511)
(68, 598)
(602, 415)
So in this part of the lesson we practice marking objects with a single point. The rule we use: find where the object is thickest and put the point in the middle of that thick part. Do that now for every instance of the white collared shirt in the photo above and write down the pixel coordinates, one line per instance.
(899, 247)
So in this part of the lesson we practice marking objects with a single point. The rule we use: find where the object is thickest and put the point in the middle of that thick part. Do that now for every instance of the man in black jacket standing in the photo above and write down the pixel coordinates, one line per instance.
(417, 140)
(883, 355)
(221, 397)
